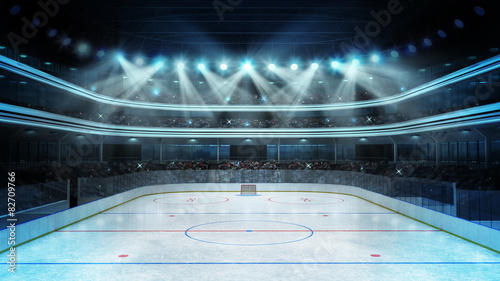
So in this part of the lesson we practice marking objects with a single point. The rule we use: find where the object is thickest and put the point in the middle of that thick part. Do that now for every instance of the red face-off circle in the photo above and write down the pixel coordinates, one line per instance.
(306, 200)
(190, 200)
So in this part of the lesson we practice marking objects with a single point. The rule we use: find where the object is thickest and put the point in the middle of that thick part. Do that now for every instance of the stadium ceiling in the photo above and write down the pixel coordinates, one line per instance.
(73, 32)
(486, 115)
(32, 74)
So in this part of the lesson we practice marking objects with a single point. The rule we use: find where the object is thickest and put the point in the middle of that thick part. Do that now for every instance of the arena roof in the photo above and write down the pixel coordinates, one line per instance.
(73, 32)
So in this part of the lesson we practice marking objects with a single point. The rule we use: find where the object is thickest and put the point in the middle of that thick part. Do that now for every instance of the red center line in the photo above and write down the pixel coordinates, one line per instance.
(264, 230)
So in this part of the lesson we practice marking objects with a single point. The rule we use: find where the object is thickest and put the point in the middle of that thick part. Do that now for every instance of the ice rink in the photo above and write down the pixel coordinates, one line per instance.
(273, 236)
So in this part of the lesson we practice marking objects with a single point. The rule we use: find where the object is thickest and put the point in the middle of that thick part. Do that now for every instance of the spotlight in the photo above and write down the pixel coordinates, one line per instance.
(223, 66)
(83, 48)
(160, 64)
(479, 11)
(52, 33)
(120, 57)
(201, 66)
(14, 10)
(375, 58)
(139, 61)
(355, 62)
(314, 66)
(294, 66)
(271, 66)
(335, 64)
(412, 48)
(180, 66)
(247, 66)
(66, 41)
(100, 53)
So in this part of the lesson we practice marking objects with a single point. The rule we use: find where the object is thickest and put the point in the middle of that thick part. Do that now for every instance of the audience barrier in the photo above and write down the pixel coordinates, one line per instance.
(33, 201)
(403, 192)
(473, 205)
(35, 195)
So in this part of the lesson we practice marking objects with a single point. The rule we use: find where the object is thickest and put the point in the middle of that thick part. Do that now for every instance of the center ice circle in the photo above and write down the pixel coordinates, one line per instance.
(249, 232)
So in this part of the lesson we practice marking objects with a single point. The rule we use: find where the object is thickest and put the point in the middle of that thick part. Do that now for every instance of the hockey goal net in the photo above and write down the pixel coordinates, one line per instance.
(248, 189)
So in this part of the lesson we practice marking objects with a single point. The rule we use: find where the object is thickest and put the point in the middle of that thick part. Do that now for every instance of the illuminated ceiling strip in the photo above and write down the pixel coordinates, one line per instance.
(476, 116)
(460, 75)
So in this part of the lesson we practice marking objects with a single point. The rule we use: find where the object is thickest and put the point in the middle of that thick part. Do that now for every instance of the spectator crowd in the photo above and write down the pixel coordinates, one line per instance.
(465, 177)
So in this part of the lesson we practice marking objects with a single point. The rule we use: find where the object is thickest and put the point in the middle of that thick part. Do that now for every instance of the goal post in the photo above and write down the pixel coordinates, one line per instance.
(248, 189)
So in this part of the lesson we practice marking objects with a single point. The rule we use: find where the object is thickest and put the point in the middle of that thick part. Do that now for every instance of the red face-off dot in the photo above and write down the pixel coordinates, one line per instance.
(172, 216)
(325, 215)
(375, 256)
(123, 256)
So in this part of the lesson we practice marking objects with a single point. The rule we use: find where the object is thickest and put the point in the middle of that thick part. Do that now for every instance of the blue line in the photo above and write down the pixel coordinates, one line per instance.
(245, 263)
(248, 214)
